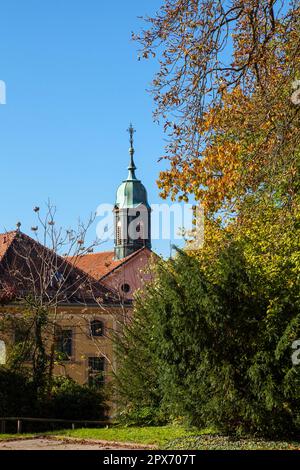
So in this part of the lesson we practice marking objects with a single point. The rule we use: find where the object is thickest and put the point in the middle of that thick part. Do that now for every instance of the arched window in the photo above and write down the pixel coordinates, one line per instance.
(97, 328)
(2, 353)
(140, 230)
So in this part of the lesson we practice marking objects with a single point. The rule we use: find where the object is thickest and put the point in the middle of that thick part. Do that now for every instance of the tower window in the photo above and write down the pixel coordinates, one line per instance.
(140, 230)
(119, 240)
(125, 288)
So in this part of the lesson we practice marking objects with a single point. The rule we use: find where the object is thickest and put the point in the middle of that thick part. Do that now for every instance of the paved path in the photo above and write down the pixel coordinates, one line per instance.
(60, 444)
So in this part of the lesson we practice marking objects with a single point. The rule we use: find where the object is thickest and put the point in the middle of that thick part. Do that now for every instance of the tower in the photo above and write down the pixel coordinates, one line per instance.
(132, 212)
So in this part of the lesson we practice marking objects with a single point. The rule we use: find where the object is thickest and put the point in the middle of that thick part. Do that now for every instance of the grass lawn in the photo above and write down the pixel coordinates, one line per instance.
(150, 435)
(168, 437)
(4, 437)
(176, 437)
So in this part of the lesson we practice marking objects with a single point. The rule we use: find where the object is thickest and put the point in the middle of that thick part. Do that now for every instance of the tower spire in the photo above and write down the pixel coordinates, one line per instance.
(131, 167)
(132, 212)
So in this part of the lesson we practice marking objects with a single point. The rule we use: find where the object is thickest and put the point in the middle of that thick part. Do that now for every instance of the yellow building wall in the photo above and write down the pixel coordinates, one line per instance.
(78, 318)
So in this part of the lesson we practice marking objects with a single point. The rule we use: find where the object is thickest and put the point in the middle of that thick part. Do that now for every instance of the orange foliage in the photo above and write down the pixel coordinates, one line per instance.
(235, 129)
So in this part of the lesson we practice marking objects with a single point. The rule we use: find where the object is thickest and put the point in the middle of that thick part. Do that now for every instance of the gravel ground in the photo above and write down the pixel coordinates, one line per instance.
(43, 443)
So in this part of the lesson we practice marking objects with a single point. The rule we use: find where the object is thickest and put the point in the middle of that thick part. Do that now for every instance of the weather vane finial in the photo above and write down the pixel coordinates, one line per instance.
(132, 167)
(131, 131)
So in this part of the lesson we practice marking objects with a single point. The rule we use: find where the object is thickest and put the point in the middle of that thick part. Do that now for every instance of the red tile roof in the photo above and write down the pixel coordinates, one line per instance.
(100, 264)
(5, 242)
(96, 264)
(26, 257)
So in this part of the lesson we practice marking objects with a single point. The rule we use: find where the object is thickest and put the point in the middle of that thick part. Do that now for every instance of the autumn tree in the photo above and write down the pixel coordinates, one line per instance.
(228, 95)
(225, 318)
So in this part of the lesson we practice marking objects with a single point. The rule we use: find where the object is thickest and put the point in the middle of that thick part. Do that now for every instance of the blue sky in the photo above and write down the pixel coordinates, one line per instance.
(73, 85)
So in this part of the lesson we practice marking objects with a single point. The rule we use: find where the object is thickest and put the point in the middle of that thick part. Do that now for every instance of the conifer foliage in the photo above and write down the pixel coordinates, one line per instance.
(205, 345)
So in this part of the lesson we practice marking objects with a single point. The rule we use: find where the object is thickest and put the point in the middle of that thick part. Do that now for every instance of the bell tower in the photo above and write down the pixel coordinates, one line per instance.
(132, 212)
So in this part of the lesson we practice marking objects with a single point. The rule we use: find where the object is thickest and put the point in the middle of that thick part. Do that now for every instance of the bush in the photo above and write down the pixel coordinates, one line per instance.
(139, 415)
(66, 400)
(69, 400)
(17, 396)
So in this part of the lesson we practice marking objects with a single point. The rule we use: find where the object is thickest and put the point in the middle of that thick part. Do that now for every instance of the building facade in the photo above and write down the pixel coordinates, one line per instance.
(89, 297)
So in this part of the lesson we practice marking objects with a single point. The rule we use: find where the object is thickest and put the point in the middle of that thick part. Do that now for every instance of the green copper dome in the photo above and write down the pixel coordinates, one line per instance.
(130, 194)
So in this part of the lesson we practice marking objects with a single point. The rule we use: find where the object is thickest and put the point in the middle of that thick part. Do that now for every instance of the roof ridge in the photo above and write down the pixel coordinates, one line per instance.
(81, 255)
(98, 253)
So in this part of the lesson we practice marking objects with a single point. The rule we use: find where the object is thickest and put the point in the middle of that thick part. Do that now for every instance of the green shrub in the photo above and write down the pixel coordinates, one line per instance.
(69, 400)
(66, 400)
(139, 415)
(17, 396)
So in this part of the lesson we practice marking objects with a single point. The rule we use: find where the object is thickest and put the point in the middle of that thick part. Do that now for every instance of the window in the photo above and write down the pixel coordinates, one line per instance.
(24, 341)
(125, 288)
(2, 353)
(64, 344)
(96, 371)
(57, 279)
(140, 230)
(119, 234)
(22, 334)
(96, 328)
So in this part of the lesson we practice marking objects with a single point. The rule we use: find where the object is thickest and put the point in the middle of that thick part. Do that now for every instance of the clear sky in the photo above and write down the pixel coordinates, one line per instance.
(73, 85)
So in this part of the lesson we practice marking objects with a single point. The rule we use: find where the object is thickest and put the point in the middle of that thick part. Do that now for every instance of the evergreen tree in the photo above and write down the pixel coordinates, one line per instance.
(206, 345)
